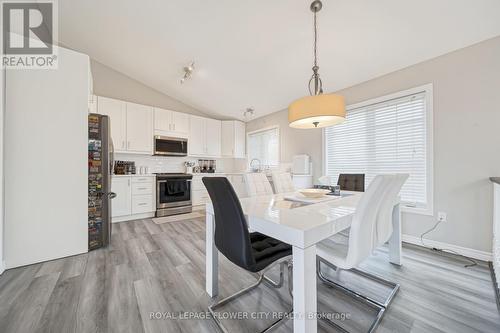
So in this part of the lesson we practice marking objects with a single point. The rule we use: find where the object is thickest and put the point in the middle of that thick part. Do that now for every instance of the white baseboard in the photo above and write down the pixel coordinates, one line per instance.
(472, 253)
(132, 217)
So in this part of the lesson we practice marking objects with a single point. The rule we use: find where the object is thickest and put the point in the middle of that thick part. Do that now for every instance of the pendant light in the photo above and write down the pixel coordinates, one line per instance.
(317, 110)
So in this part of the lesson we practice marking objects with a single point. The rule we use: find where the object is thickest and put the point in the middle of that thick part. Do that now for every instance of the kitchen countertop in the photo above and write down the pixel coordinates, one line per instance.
(495, 180)
(217, 173)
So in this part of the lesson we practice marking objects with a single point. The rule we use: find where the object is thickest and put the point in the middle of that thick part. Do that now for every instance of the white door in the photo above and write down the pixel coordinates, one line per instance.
(213, 137)
(196, 142)
(180, 122)
(239, 139)
(121, 205)
(163, 120)
(139, 128)
(227, 135)
(116, 112)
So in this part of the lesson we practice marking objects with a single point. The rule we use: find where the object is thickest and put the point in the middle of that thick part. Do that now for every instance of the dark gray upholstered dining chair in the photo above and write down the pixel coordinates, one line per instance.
(352, 182)
(251, 251)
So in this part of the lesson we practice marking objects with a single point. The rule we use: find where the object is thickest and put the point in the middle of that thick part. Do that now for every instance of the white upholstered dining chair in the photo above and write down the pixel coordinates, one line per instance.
(282, 182)
(371, 227)
(257, 184)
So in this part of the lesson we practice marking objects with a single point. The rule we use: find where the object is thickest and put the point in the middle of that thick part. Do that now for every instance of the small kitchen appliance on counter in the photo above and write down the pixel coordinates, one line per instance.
(207, 166)
(124, 168)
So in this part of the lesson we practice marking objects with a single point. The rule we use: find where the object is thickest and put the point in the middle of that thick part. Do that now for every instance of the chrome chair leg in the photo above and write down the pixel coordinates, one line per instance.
(393, 285)
(282, 262)
(381, 307)
(279, 284)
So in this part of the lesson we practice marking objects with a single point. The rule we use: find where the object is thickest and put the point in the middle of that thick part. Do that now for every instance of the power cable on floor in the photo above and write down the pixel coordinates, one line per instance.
(472, 261)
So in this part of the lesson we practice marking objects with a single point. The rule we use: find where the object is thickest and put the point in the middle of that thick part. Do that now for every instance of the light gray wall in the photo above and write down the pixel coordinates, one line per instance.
(111, 83)
(292, 141)
(466, 138)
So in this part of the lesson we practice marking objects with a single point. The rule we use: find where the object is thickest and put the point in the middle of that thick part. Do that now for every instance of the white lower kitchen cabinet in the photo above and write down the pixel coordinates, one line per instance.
(199, 194)
(135, 197)
(121, 205)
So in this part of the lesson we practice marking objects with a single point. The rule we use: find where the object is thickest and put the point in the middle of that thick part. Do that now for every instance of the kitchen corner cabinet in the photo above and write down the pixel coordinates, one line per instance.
(204, 137)
(131, 125)
(171, 123)
(233, 139)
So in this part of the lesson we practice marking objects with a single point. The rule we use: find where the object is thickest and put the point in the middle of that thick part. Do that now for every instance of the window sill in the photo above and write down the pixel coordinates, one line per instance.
(428, 211)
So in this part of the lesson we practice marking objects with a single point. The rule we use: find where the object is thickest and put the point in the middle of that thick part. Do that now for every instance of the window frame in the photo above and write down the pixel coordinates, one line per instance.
(429, 118)
(264, 129)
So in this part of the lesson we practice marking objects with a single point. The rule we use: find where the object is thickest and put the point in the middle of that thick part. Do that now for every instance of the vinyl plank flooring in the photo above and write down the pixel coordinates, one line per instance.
(91, 313)
(122, 307)
(26, 312)
(151, 300)
(61, 310)
(150, 274)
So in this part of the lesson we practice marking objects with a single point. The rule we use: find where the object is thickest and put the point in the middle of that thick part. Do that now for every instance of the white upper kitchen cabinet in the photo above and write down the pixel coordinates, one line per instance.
(171, 123)
(213, 137)
(92, 104)
(139, 128)
(233, 139)
(117, 112)
(180, 122)
(197, 143)
(204, 137)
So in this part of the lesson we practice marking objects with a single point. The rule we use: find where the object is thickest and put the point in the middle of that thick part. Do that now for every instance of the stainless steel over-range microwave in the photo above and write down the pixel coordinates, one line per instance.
(169, 146)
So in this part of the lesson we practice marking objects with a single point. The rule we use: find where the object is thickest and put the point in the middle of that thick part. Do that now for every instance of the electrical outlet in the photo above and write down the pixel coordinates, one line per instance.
(441, 216)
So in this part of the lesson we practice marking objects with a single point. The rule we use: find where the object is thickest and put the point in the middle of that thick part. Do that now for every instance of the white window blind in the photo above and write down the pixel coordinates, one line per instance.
(387, 137)
(264, 145)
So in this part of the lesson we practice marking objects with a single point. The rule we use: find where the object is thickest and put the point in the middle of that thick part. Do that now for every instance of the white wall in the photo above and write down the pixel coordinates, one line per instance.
(46, 161)
(292, 141)
(466, 138)
(111, 83)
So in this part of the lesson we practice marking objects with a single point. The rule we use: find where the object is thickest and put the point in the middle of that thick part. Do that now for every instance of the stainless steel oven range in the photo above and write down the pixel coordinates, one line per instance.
(173, 194)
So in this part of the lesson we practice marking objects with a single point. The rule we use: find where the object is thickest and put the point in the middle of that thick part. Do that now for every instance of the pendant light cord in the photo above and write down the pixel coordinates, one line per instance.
(315, 40)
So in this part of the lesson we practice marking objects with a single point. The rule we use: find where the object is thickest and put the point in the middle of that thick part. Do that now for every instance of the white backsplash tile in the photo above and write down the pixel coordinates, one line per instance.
(176, 164)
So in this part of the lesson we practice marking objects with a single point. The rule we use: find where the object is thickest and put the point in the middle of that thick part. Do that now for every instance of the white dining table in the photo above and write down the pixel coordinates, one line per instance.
(302, 226)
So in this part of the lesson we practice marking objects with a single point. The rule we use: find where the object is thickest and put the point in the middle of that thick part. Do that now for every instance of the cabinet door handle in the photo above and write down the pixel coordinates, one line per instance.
(174, 126)
(128, 182)
(143, 204)
(142, 188)
(123, 144)
(128, 144)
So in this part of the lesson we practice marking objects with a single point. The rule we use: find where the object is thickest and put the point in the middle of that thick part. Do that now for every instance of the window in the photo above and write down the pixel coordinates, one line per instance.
(264, 145)
(392, 134)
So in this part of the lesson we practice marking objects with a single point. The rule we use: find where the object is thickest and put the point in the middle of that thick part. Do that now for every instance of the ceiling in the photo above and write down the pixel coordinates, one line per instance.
(259, 53)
